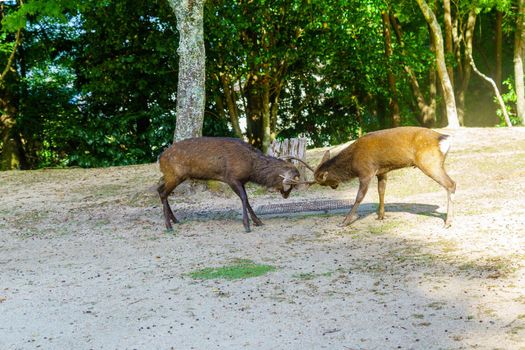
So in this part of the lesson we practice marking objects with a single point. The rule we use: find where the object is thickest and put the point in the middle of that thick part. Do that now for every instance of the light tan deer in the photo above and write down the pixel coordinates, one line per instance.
(380, 152)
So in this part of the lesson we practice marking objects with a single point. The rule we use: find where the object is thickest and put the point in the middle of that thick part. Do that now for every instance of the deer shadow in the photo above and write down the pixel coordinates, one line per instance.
(429, 210)
(312, 208)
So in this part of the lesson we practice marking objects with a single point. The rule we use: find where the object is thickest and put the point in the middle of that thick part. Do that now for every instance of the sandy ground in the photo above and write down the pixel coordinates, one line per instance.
(85, 262)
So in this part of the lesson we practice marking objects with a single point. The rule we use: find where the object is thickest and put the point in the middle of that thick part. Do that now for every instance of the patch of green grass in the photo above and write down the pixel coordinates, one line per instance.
(260, 191)
(520, 299)
(412, 254)
(447, 246)
(214, 186)
(141, 199)
(310, 275)
(436, 305)
(105, 190)
(474, 211)
(238, 270)
(496, 267)
(383, 227)
(30, 220)
(516, 329)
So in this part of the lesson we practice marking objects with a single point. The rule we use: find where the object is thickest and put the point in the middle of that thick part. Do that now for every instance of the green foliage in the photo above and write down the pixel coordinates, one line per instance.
(509, 98)
(36, 11)
(94, 82)
(293, 44)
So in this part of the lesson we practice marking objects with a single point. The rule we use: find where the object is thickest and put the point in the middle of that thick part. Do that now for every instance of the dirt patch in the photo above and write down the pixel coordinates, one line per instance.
(86, 264)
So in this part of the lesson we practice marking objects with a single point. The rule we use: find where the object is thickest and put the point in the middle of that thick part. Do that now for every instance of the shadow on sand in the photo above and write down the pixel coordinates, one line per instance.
(308, 208)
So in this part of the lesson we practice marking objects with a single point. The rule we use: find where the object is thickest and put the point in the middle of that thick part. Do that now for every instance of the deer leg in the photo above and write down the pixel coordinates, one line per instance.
(437, 173)
(164, 190)
(381, 186)
(255, 219)
(363, 187)
(238, 188)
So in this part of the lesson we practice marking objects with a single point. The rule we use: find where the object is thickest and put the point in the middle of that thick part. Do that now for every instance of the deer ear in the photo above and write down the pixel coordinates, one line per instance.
(326, 156)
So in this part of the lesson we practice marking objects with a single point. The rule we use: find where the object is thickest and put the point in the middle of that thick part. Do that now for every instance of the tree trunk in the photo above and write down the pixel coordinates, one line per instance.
(430, 118)
(468, 36)
(393, 104)
(274, 108)
(10, 155)
(519, 42)
(233, 111)
(257, 94)
(427, 116)
(191, 91)
(499, 41)
(449, 49)
(435, 31)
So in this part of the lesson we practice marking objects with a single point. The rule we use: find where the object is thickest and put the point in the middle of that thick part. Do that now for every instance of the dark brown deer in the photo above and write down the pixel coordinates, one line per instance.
(377, 153)
(228, 160)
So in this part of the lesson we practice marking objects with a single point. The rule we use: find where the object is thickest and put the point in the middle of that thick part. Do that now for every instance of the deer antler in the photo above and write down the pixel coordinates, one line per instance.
(289, 181)
(300, 160)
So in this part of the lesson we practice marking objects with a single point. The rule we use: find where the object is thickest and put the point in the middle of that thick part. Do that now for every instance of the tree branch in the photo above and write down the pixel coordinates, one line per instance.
(7, 68)
(491, 81)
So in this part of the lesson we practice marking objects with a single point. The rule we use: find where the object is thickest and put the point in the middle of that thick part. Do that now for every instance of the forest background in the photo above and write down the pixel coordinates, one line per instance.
(94, 83)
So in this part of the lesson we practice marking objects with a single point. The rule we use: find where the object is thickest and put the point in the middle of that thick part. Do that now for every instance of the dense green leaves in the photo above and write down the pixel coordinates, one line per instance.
(93, 83)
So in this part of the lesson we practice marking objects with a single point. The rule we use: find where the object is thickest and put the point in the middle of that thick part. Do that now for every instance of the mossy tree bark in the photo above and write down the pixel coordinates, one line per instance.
(191, 93)
(10, 150)
(11, 156)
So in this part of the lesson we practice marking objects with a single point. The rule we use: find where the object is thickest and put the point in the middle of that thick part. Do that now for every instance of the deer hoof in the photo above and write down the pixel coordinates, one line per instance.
(349, 220)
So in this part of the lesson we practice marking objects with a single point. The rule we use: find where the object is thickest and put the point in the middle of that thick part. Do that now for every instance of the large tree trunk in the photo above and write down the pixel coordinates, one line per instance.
(191, 91)
(519, 42)
(393, 104)
(435, 31)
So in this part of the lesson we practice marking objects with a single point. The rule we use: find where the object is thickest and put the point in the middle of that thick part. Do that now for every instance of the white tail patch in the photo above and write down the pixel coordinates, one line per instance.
(444, 145)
